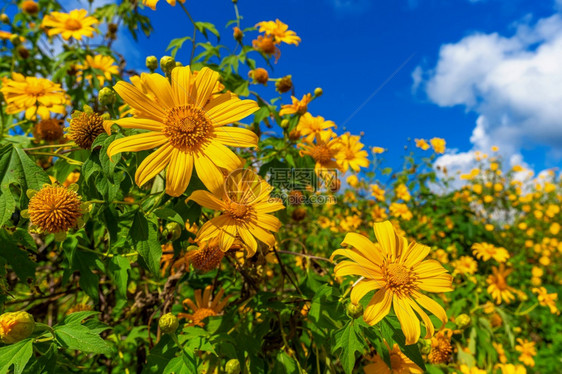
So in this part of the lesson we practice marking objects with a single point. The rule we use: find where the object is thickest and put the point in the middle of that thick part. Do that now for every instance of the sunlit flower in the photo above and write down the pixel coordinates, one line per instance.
(399, 362)
(527, 350)
(351, 153)
(266, 45)
(497, 285)
(323, 150)
(310, 126)
(401, 211)
(377, 192)
(471, 370)
(75, 24)
(245, 205)
(298, 106)
(465, 265)
(85, 127)
(422, 144)
(106, 64)
(402, 192)
(486, 251)
(399, 273)
(279, 31)
(547, 299)
(35, 96)
(188, 128)
(512, 369)
(441, 348)
(378, 150)
(203, 307)
(501, 352)
(49, 129)
(207, 256)
(152, 3)
(438, 145)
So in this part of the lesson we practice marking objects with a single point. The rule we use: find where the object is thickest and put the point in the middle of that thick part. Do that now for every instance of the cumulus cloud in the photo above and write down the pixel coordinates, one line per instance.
(511, 82)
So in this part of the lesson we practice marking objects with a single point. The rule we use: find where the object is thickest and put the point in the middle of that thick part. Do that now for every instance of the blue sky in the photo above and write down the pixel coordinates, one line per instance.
(350, 47)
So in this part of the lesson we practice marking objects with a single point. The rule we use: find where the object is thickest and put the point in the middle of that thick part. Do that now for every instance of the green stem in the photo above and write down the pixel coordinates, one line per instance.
(527, 311)
(194, 31)
(54, 154)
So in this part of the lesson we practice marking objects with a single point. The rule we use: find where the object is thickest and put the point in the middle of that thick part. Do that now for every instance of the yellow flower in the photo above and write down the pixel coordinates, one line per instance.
(16, 326)
(399, 273)
(204, 307)
(323, 150)
(206, 257)
(441, 348)
(401, 211)
(187, 125)
(422, 144)
(497, 285)
(266, 44)
(377, 192)
(310, 126)
(512, 369)
(152, 3)
(245, 205)
(75, 24)
(279, 31)
(351, 153)
(35, 96)
(527, 350)
(438, 145)
(49, 129)
(547, 299)
(106, 64)
(378, 150)
(399, 362)
(486, 251)
(298, 106)
(352, 180)
(501, 352)
(402, 192)
(471, 370)
(554, 228)
(465, 265)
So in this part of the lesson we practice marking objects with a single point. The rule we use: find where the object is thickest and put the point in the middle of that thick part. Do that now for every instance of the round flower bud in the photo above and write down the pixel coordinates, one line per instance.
(112, 28)
(178, 64)
(299, 214)
(318, 92)
(4, 18)
(106, 96)
(168, 323)
(16, 326)
(167, 63)
(354, 310)
(284, 123)
(172, 231)
(238, 34)
(259, 75)
(425, 346)
(232, 366)
(23, 52)
(151, 63)
(15, 39)
(284, 84)
(463, 321)
(30, 7)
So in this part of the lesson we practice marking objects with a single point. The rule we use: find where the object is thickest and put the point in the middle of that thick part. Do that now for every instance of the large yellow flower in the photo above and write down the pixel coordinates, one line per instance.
(106, 64)
(204, 307)
(245, 205)
(187, 125)
(280, 32)
(497, 285)
(323, 150)
(152, 3)
(351, 153)
(310, 126)
(35, 96)
(398, 271)
(75, 24)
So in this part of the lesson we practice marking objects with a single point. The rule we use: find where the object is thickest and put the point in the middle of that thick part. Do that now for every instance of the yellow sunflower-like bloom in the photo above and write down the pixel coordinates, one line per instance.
(245, 205)
(351, 153)
(324, 150)
(497, 285)
(35, 96)
(486, 251)
(298, 106)
(280, 32)
(399, 362)
(310, 126)
(465, 265)
(547, 299)
(152, 3)
(422, 144)
(398, 271)
(204, 307)
(527, 350)
(187, 122)
(402, 192)
(438, 145)
(401, 211)
(75, 24)
(106, 64)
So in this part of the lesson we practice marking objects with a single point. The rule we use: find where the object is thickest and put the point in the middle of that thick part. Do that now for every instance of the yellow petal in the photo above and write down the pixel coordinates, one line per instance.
(384, 232)
(204, 84)
(139, 101)
(135, 143)
(231, 111)
(429, 269)
(136, 123)
(362, 288)
(378, 307)
(366, 247)
(430, 305)
(153, 164)
(352, 268)
(415, 254)
(206, 199)
(181, 85)
(161, 88)
(222, 156)
(178, 173)
(268, 222)
(262, 235)
(209, 173)
(249, 240)
(227, 235)
(409, 323)
(430, 329)
(439, 283)
(236, 136)
(358, 258)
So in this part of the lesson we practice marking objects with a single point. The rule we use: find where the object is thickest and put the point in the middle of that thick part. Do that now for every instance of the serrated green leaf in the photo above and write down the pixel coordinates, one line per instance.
(16, 355)
(348, 341)
(81, 338)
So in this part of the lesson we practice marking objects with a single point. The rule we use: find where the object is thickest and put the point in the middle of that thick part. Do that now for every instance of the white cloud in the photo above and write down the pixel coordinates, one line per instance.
(513, 83)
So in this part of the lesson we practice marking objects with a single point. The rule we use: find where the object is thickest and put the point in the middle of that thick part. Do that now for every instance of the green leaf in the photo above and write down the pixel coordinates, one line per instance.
(81, 338)
(145, 237)
(17, 258)
(348, 339)
(393, 334)
(118, 268)
(176, 44)
(17, 354)
(7, 205)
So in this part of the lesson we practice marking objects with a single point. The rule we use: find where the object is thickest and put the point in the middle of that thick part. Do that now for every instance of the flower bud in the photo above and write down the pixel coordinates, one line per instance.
(30, 7)
(23, 52)
(232, 366)
(106, 96)
(151, 63)
(354, 310)
(425, 346)
(259, 75)
(299, 214)
(172, 231)
(284, 123)
(4, 18)
(167, 63)
(178, 64)
(284, 84)
(15, 39)
(318, 92)
(463, 321)
(238, 34)
(16, 326)
(168, 323)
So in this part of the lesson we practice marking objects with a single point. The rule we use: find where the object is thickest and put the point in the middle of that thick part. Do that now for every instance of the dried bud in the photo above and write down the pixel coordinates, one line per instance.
(354, 310)
(151, 63)
(168, 323)
(318, 92)
(238, 34)
(106, 96)
(16, 326)
(167, 63)
(30, 7)
(259, 75)
(112, 28)
(23, 52)
(172, 231)
(299, 214)
(284, 84)
(232, 366)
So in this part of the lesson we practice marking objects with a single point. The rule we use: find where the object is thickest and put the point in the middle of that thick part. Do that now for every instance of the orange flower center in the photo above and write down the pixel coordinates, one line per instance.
(238, 211)
(321, 154)
(207, 258)
(399, 278)
(500, 282)
(35, 90)
(187, 127)
(72, 24)
(55, 209)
